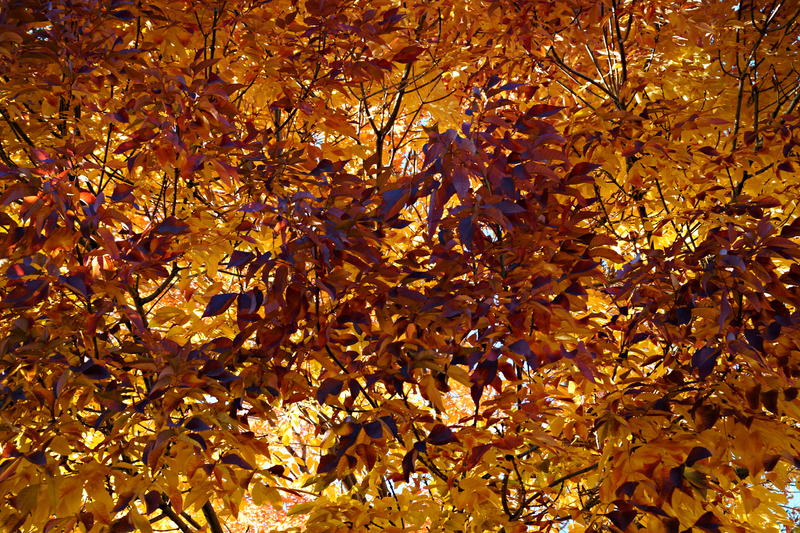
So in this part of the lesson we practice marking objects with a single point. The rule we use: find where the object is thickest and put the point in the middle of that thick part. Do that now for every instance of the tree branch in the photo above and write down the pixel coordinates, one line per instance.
(211, 518)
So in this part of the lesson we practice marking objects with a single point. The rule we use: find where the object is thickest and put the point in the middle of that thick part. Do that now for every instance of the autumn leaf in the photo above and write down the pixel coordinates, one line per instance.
(495, 265)
(407, 54)
(218, 304)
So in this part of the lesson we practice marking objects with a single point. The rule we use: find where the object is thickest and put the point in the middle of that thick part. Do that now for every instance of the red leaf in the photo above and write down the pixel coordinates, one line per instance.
(408, 54)
(709, 151)
(40, 155)
(327, 463)
(544, 110)
(708, 522)
(122, 193)
(475, 455)
(583, 168)
(126, 146)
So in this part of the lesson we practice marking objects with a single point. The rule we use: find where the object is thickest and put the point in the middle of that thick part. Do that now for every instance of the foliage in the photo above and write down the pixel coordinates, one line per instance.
(486, 265)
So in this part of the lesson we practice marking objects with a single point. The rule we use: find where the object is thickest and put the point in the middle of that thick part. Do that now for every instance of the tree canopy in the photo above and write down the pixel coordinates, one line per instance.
(369, 265)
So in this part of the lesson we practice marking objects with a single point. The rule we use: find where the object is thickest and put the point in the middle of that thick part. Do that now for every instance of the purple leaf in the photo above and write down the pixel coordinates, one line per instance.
(509, 86)
(622, 517)
(329, 387)
(683, 315)
(124, 14)
(96, 372)
(322, 167)
(252, 207)
(249, 302)
(235, 460)
(704, 360)
(754, 339)
(676, 476)
(121, 116)
(408, 463)
(509, 208)
(123, 502)
(391, 424)
(521, 347)
(374, 430)
(391, 202)
(37, 458)
(627, 488)
(171, 226)
(26, 293)
(466, 231)
(199, 440)
(734, 261)
(709, 151)
(239, 258)
(152, 500)
(698, 453)
(773, 331)
(219, 303)
(461, 183)
(441, 434)
(708, 522)
(21, 269)
(493, 80)
(476, 391)
(197, 424)
(76, 283)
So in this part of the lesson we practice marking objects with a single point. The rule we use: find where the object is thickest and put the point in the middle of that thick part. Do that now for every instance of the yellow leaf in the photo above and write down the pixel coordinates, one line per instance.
(263, 494)
(140, 522)
(26, 499)
(70, 495)
(429, 390)
(301, 508)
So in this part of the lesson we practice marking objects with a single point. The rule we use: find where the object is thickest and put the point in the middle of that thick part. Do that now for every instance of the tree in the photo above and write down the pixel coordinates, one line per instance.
(446, 266)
